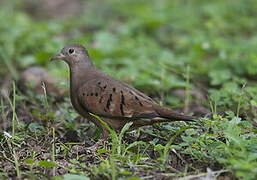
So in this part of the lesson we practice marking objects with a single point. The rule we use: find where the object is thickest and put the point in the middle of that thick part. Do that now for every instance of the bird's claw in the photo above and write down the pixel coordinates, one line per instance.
(95, 147)
(92, 149)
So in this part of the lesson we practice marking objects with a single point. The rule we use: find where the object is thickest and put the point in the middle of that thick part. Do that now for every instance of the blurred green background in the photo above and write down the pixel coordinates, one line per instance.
(194, 55)
(155, 45)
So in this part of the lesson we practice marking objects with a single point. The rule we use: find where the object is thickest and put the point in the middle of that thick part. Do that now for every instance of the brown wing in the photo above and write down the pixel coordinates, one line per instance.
(114, 99)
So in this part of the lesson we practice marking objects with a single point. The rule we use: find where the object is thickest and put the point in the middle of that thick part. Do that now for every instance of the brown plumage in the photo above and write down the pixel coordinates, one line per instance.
(117, 103)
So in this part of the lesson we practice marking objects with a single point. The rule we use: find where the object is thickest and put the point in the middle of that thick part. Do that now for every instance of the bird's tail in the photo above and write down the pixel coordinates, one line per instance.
(171, 115)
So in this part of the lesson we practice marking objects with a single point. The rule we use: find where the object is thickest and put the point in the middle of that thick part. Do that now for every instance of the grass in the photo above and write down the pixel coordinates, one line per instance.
(194, 56)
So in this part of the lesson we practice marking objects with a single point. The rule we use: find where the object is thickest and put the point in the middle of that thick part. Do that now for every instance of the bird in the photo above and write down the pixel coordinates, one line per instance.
(115, 102)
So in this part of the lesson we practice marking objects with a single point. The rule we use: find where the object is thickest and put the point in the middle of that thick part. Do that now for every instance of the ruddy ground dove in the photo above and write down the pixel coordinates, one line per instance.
(117, 103)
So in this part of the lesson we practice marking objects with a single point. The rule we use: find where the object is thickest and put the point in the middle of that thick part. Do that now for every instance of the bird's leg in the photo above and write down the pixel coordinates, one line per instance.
(105, 134)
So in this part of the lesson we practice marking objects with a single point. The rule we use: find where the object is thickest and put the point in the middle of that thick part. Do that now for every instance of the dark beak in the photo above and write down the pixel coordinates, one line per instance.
(59, 56)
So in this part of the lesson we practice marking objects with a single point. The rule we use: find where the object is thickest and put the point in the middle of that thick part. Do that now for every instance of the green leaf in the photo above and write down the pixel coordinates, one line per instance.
(75, 177)
(253, 103)
(133, 178)
(47, 164)
(101, 151)
(29, 161)
(124, 129)
(159, 147)
(57, 178)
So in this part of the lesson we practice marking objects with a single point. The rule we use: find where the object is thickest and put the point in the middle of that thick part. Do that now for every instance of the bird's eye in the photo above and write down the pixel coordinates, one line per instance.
(71, 51)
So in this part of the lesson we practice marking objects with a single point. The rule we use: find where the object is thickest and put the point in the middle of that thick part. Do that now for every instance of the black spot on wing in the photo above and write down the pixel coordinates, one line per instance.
(122, 103)
(121, 109)
(109, 102)
(138, 101)
(122, 98)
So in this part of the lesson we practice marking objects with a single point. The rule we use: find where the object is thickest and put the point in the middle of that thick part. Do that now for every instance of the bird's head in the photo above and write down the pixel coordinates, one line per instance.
(73, 54)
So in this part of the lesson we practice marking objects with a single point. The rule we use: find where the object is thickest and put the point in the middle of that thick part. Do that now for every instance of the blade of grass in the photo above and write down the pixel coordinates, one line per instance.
(13, 107)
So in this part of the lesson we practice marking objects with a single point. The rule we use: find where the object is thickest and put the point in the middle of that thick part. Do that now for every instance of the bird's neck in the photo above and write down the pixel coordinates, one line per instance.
(79, 75)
